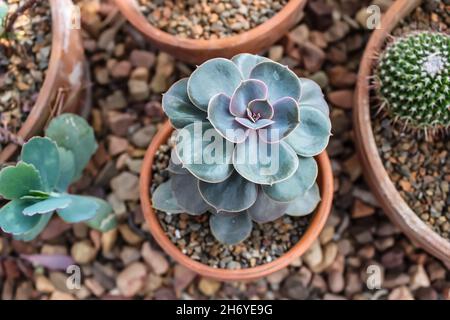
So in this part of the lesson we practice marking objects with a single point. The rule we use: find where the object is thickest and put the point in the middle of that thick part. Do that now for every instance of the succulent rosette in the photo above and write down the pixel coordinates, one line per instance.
(240, 107)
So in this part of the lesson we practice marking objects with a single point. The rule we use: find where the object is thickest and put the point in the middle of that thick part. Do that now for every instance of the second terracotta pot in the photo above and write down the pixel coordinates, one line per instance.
(198, 51)
(316, 225)
(375, 173)
(66, 77)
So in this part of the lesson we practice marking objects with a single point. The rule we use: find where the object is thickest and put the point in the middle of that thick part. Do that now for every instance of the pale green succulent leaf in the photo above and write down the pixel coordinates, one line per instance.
(285, 120)
(175, 165)
(305, 204)
(73, 133)
(246, 62)
(303, 179)
(105, 219)
(185, 191)
(263, 163)
(17, 181)
(231, 229)
(235, 194)
(32, 234)
(223, 121)
(246, 92)
(66, 169)
(12, 219)
(312, 96)
(47, 206)
(265, 209)
(179, 108)
(81, 208)
(207, 158)
(164, 200)
(312, 135)
(281, 81)
(43, 154)
(211, 78)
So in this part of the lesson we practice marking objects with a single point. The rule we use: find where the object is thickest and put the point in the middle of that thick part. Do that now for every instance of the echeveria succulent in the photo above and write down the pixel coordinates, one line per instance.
(413, 80)
(36, 186)
(248, 131)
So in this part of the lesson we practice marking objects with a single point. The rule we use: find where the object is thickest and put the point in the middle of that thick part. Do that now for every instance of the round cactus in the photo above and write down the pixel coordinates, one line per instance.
(414, 80)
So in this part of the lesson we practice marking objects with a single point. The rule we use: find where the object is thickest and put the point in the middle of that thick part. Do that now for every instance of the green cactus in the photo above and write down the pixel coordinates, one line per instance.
(413, 80)
(37, 185)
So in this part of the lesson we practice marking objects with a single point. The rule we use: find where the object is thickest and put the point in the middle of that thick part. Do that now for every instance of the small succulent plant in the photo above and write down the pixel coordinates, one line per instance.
(37, 185)
(414, 80)
(244, 105)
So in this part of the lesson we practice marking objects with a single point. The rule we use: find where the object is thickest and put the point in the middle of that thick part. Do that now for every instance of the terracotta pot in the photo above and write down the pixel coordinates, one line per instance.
(66, 74)
(198, 51)
(325, 181)
(377, 177)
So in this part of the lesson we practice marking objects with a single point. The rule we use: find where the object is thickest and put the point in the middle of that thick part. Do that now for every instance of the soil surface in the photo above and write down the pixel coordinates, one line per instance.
(25, 49)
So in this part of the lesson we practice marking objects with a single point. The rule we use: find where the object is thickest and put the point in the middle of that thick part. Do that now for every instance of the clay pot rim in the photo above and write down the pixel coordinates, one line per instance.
(54, 64)
(135, 17)
(376, 175)
(315, 227)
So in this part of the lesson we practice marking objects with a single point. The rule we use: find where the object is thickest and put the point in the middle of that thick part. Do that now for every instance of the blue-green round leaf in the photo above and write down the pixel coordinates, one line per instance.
(73, 133)
(80, 209)
(286, 119)
(305, 204)
(186, 193)
(12, 220)
(47, 206)
(18, 181)
(235, 194)
(179, 108)
(262, 108)
(204, 152)
(164, 200)
(231, 229)
(313, 134)
(43, 154)
(30, 235)
(211, 78)
(175, 165)
(281, 81)
(66, 169)
(264, 163)
(246, 92)
(246, 62)
(223, 121)
(312, 96)
(105, 219)
(265, 209)
(303, 179)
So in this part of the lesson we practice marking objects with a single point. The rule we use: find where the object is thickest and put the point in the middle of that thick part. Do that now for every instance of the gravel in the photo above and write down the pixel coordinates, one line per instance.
(208, 19)
(24, 59)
